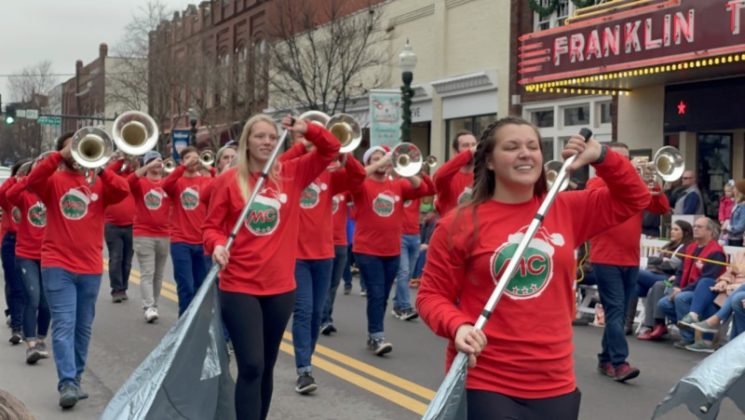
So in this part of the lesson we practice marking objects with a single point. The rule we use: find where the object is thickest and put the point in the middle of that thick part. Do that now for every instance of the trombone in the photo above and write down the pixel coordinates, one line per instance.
(207, 158)
(407, 160)
(343, 126)
(169, 165)
(91, 149)
(552, 169)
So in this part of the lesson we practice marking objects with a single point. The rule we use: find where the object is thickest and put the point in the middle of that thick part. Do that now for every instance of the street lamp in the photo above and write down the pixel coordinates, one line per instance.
(407, 63)
(193, 123)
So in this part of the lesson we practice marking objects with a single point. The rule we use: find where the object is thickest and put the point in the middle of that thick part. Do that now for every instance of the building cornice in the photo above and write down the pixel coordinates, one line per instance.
(482, 80)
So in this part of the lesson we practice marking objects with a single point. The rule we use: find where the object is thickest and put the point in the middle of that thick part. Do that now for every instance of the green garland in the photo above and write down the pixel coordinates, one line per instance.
(535, 5)
(583, 3)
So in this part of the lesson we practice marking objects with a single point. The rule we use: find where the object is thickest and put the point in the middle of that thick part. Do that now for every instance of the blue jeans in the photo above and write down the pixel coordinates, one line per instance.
(703, 298)
(190, 266)
(379, 274)
(312, 278)
(340, 261)
(36, 317)
(347, 274)
(615, 285)
(679, 307)
(738, 314)
(646, 280)
(409, 255)
(419, 267)
(72, 303)
(15, 294)
(121, 251)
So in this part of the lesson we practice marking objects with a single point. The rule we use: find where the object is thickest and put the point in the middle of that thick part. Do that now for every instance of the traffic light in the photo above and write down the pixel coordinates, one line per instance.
(10, 114)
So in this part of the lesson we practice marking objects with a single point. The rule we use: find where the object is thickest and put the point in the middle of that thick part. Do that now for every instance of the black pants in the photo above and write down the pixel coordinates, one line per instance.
(494, 406)
(121, 251)
(256, 325)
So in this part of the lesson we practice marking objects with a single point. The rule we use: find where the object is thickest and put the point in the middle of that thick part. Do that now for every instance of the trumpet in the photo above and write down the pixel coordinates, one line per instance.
(552, 169)
(207, 158)
(343, 126)
(169, 165)
(407, 160)
(134, 133)
(91, 149)
(667, 165)
(431, 161)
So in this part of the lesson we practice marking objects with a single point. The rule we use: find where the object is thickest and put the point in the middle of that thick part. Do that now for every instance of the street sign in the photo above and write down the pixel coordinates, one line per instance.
(32, 114)
(45, 120)
(21, 113)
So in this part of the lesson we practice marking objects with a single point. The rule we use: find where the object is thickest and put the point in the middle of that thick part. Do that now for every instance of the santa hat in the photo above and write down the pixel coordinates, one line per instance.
(368, 154)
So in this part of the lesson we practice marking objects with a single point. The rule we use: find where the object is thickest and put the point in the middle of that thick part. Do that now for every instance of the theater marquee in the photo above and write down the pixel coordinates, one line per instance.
(622, 39)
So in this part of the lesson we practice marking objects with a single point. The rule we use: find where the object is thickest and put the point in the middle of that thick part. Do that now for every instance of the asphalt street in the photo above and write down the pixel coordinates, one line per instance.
(353, 383)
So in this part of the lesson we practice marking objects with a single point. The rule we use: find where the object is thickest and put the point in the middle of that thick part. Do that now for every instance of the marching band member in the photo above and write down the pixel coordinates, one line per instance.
(315, 255)
(410, 243)
(71, 256)
(614, 255)
(341, 253)
(33, 219)
(151, 229)
(185, 185)
(14, 290)
(119, 220)
(454, 179)
(526, 369)
(377, 236)
(257, 287)
(225, 157)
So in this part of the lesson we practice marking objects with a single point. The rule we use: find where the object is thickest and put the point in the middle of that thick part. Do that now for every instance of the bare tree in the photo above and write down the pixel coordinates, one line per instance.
(31, 81)
(322, 66)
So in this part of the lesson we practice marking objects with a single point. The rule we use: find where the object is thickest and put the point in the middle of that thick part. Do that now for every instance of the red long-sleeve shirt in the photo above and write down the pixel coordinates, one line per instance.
(122, 213)
(188, 210)
(380, 214)
(153, 207)
(529, 336)
(339, 212)
(453, 186)
(33, 220)
(262, 260)
(73, 238)
(411, 210)
(11, 214)
(619, 245)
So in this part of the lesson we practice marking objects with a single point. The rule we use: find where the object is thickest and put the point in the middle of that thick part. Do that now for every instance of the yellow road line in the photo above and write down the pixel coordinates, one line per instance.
(383, 391)
(389, 394)
(392, 379)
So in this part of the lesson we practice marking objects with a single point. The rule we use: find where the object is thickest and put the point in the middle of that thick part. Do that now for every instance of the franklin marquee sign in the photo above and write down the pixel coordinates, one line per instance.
(653, 34)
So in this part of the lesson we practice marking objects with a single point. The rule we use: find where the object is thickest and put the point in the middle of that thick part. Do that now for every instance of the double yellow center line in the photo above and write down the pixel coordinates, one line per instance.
(395, 389)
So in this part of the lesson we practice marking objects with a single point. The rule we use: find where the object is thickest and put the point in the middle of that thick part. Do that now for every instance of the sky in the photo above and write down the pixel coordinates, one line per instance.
(61, 31)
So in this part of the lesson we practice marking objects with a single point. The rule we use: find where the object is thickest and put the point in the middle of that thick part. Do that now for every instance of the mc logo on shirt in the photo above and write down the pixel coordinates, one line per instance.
(74, 203)
(385, 203)
(465, 195)
(263, 218)
(37, 215)
(535, 268)
(190, 198)
(154, 198)
(311, 195)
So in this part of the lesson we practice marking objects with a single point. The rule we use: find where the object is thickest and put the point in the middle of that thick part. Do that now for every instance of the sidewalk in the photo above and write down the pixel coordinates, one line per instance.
(36, 385)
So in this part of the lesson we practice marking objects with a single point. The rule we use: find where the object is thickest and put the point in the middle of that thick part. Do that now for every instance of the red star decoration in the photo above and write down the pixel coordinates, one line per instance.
(681, 108)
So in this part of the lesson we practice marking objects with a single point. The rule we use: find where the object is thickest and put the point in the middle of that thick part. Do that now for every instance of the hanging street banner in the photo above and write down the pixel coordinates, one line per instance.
(180, 141)
(385, 117)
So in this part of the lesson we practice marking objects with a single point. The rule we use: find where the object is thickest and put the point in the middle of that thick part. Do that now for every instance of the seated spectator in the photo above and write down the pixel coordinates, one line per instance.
(678, 304)
(731, 289)
(651, 283)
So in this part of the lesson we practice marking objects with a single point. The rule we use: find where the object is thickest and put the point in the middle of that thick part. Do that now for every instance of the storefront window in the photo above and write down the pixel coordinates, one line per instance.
(605, 116)
(580, 177)
(543, 118)
(577, 115)
(714, 167)
(547, 147)
(473, 124)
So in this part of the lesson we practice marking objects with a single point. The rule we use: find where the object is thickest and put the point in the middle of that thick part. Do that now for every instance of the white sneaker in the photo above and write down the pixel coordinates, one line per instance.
(151, 314)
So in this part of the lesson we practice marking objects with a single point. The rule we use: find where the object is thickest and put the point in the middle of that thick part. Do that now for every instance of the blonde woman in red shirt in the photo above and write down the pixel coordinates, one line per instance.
(257, 284)
(525, 368)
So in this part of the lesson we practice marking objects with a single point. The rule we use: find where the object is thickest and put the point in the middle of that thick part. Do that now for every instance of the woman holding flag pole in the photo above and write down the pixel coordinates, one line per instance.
(525, 367)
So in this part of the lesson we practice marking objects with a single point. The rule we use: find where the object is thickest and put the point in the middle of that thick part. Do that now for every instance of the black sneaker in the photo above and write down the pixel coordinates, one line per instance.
(82, 394)
(347, 290)
(405, 314)
(16, 337)
(305, 384)
(42, 349)
(117, 297)
(32, 355)
(379, 346)
(328, 329)
(68, 396)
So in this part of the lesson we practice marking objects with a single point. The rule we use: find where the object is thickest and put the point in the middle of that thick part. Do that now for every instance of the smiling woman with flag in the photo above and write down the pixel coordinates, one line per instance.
(257, 284)
(525, 369)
